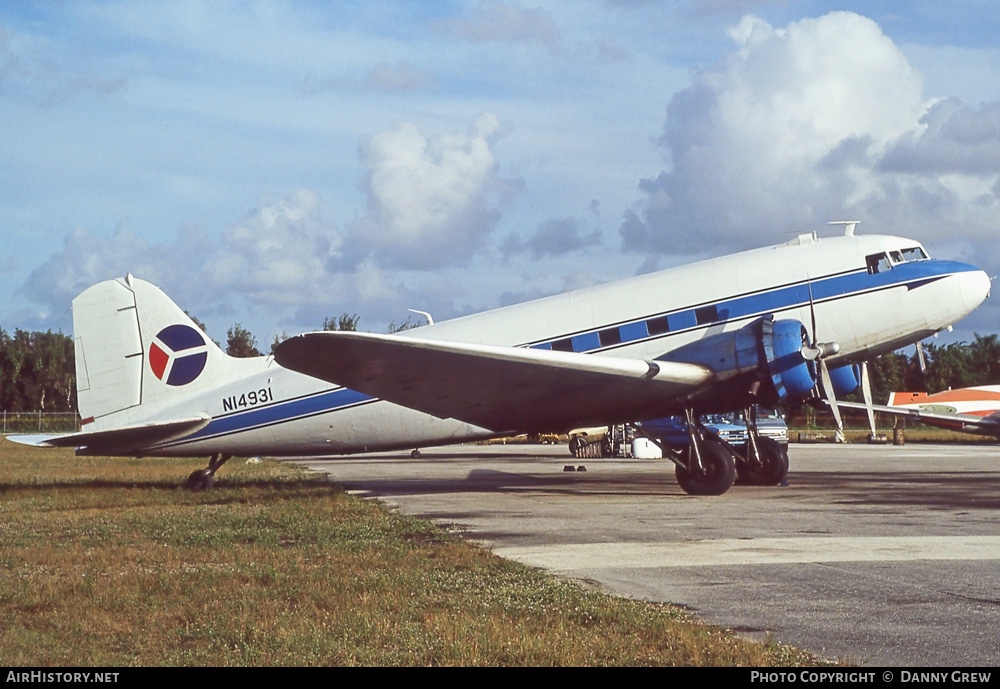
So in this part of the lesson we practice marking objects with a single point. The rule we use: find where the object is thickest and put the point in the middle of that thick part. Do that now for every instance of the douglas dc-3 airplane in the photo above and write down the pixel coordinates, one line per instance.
(715, 336)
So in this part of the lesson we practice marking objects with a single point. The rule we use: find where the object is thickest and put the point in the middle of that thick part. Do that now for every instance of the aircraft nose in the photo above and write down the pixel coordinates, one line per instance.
(975, 286)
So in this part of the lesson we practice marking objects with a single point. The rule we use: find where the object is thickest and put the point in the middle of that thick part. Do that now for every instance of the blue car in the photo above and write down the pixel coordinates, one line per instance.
(673, 430)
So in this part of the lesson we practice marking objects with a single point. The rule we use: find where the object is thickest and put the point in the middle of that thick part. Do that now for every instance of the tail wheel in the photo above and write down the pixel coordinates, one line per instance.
(200, 481)
(715, 478)
(770, 468)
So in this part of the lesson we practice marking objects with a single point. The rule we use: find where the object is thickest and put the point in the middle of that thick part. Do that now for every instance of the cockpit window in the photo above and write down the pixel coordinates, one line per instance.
(878, 263)
(914, 254)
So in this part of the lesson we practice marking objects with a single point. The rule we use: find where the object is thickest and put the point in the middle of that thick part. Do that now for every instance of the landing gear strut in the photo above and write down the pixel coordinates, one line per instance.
(766, 461)
(204, 479)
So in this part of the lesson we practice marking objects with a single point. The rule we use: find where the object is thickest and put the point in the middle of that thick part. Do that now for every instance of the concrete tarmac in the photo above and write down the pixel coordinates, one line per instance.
(877, 555)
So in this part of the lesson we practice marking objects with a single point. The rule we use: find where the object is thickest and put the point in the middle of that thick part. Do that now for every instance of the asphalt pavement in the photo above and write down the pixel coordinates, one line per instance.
(877, 555)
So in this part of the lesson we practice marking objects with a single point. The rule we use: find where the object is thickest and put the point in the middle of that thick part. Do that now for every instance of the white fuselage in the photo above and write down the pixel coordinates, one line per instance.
(836, 287)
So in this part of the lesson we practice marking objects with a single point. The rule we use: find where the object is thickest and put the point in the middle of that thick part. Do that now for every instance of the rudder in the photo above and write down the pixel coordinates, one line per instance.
(138, 353)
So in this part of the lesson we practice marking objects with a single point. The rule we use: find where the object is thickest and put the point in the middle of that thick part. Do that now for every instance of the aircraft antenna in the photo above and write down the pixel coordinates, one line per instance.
(849, 226)
(430, 319)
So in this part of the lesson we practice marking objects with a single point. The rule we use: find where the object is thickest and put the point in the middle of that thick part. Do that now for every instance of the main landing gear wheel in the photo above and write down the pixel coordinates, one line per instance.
(716, 475)
(769, 468)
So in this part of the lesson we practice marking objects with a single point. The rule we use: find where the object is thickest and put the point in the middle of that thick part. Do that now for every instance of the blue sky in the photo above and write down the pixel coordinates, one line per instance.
(275, 163)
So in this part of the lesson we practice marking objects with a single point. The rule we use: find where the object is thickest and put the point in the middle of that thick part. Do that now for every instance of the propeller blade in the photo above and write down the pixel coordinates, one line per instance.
(866, 390)
(812, 311)
(920, 357)
(816, 351)
(831, 397)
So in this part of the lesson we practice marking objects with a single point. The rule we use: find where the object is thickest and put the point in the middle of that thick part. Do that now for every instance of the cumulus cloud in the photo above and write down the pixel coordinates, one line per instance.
(432, 202)
(277, 253)
(554, 237)
(955, 138)
(85, 258)
(817, 121)
(272, 263)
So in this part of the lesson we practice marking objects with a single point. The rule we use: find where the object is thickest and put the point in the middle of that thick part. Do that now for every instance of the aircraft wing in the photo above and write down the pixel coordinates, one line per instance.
(984, 425)
(498, 388)
(125, 440)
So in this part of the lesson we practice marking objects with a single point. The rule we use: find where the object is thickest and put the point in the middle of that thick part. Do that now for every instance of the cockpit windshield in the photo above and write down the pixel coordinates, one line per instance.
(915, 254)
(880, 263)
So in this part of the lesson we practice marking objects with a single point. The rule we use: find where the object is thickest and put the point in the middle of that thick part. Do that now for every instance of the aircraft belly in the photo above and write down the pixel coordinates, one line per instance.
(377, 425)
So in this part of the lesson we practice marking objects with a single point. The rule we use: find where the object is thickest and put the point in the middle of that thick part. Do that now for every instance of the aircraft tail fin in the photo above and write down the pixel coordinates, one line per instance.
(897, 399)
(137, 354)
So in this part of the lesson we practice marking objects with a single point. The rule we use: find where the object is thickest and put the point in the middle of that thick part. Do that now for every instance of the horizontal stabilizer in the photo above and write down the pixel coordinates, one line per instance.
(498, 388)
(127, 440)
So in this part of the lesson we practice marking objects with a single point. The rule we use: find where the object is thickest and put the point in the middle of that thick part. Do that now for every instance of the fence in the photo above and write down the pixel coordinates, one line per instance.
(40, 422)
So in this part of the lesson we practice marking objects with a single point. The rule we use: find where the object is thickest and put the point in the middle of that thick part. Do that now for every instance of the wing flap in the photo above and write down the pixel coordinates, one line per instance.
(498, 388)
(126, 440)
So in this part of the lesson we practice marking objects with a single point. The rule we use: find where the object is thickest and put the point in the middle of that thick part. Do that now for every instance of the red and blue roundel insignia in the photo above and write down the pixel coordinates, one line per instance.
(178, 354)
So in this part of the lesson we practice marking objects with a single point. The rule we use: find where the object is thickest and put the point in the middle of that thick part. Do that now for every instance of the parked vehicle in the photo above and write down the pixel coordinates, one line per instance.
(770, 424)
(673, 430)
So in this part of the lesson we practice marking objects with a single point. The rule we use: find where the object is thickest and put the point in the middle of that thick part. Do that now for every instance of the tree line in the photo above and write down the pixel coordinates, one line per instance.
(37, 370)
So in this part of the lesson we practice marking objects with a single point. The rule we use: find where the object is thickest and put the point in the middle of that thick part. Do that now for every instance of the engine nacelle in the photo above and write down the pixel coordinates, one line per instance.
(760, 363)
(845, 379)
(791, 373)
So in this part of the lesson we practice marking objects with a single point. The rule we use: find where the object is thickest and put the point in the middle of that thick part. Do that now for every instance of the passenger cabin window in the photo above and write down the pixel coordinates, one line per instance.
(609, 337)
(707, 314)
(658, 325)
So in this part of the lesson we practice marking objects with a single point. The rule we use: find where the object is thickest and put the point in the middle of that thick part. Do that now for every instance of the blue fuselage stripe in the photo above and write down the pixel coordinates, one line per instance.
(911, 275)
(280, 412)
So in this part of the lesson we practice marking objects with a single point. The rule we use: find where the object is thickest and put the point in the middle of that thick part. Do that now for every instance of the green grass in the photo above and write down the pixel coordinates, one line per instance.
(108, 562)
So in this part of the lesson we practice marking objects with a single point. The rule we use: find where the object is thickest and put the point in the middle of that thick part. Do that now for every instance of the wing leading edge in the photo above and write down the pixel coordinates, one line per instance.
(498, 388)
